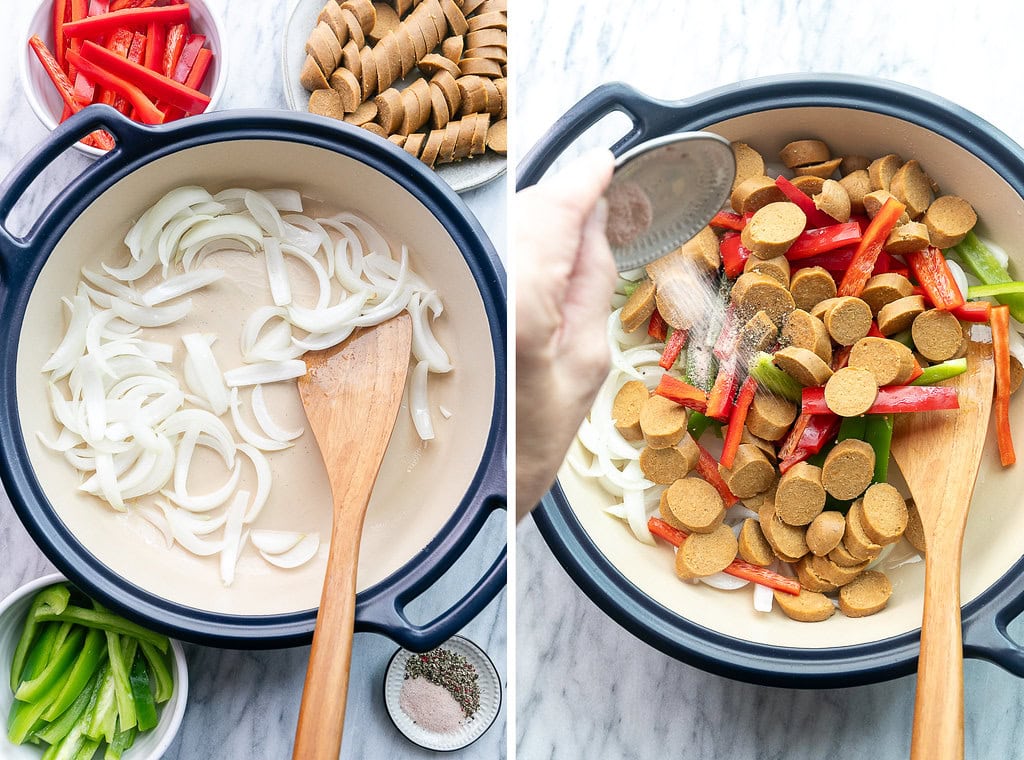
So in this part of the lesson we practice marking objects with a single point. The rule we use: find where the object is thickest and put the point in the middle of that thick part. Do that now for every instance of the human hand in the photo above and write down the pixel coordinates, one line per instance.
(565, 277)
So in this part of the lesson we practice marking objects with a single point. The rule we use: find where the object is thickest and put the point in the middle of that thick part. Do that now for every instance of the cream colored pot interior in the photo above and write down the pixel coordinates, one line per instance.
(996, 522)
(420, 485)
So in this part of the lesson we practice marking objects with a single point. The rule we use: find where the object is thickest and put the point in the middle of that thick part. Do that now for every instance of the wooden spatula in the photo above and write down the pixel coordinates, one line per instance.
(939, 454)
(351, 394)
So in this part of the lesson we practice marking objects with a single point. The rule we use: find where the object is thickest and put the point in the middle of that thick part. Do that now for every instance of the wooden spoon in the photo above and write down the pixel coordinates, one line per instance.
(351, 394)
(939, 454)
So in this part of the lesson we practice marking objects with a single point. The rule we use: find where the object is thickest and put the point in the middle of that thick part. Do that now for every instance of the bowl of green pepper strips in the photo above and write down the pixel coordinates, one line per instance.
(83, 681)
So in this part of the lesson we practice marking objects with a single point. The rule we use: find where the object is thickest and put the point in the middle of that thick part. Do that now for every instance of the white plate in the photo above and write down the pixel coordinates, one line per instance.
(461, 176)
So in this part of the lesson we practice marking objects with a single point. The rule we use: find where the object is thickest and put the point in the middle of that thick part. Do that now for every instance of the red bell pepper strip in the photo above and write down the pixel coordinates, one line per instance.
(815, 216)
(734, 254)
(119, 5)
(657, 328)
(932, 272)
(973, 311)
(873, 331)
(839, 260)
(807, 437)
(120, 42)
(176, 35)
(155, 85)
(737, 420)
(61, 13)
(199, 69)
(188, 56)
(145, 109)
(720, 400)
(916, 372)
(79, 9)
(727, 220)
(892, 399)
(707, 468)
(136, 54)
(866, 256)
(1001, 354)
(682, 393)
(739, 568)
(824, 239)
(673, 348)
(93, 26)
(156, 41)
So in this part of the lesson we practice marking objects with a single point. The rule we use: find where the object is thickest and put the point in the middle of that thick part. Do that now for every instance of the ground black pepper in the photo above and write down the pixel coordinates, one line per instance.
(451, 671)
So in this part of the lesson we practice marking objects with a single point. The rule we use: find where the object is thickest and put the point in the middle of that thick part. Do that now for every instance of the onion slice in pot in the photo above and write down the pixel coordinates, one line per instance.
(298, 555)
(270, 427)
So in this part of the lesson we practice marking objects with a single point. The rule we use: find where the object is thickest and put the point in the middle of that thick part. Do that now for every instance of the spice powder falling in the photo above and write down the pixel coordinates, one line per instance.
(440, 690)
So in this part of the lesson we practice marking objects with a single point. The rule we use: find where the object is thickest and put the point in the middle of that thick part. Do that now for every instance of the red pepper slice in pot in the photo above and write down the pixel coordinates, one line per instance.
(823, 239)
(892, 399)
(682, 393)
(1001, 354)
(932, 272)
(866, 256)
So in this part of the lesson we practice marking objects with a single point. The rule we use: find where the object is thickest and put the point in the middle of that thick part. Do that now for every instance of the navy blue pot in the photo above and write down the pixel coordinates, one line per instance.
(380, 608)
(986, 617)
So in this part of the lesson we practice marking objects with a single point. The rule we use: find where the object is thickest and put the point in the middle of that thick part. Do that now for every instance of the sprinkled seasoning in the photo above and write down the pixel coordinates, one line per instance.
(451, 671)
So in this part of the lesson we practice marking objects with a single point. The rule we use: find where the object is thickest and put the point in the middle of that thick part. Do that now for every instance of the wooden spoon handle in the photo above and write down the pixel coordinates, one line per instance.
(939, 703)
(322, 714)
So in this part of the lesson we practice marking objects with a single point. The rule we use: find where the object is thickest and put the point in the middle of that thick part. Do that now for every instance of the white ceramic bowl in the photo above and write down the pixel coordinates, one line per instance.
(46, 101)
(148, 746)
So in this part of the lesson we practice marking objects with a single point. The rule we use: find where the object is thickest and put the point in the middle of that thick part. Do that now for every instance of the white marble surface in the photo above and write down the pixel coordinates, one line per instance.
(244, 704)
(585, 686)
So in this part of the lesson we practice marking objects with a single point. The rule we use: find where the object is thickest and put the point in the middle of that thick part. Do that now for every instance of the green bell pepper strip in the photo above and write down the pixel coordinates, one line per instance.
(51, 680)
(142, 692)
(123, 741)
(105, 706)
(630, 287)
(939, 372)
(61, 727)
(120, 666)
(697, 424)
(773, 379)
(22, 712)
(997, 289)
(905, 337)
(851, 427)
(979, 261)
(163, 675)
(92, 654)
(108, 622)
(50, 599)
(878, 434)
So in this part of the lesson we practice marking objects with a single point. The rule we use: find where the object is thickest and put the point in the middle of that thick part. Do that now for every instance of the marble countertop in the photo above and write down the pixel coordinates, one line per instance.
(244, 705)
(585, 687)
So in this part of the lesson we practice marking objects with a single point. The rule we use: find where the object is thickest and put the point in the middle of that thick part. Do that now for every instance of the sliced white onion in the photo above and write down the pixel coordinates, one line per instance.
(180, 285)
(255, 323)
(180, 495)
(265, 372)
(266, 421)
(151, 316)
(249, 435)
(233, 537)
(146, 230)
(764, 598)
(424, 345)
(330, 319)
(633, 501)
(959, 275)
(71, 347)
(158, 520)
(275, 541)
(298, 555)
(419, 407)
(264, 480)
(203, 422)
(723, 581)
(234, 226)
(167, 247)
(208, 375)
(323, 282)
(134, 270)
(445, 412)
(181, 533)
(111, 287)
(277, 273)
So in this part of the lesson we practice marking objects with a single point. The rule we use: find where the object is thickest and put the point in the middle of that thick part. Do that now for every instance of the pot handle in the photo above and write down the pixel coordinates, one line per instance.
(984, 631)
(14, 249)
(651, 118)
(385, 613)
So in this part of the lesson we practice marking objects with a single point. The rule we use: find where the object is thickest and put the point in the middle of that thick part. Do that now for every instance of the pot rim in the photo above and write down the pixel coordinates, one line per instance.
(379, 608)
(986, 617)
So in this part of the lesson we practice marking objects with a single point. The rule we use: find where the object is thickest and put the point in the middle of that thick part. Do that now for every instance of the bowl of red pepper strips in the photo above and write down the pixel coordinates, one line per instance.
(154, 61)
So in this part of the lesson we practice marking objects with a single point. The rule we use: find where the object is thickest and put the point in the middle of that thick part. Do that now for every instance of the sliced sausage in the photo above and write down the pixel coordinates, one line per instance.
(884, 514)
(804, 152)
(856, 540)
(702, 249)
(665, 466)
(751, 472)
(825, 532)
(907, 238)
(865, 595)
(638, 307)
(889, 361)
(758, 334)
(831, 572)
(937, 335)
(312, 76)
(857, 184)
(667, 514)
(853, 164)
(367, 111)
(1016, 373)
(834, 200)
(760, 500)
(881, 171)
(899, 315)
(850, 392)
(753, 193)
(770, 416)
(778, 268)
(626, 409)
(808, 607)
(842, 557)
(754, 292)
(912, 188)
(810, 286)
(805, 331)
(885, 288)
(800, 497)
(497, 137)
(809, 184)
(753, 546)
(948, 219)
(663, 422)
(787, 541)
(809, 578)
(696, 505)
(824, 170)
(326, 103)
(848, 469)
(915, 528)
(749, 163)
(706, 553)
(766, 446)
(848, 320)
(773, 228)
(803, 365)
(678, 276)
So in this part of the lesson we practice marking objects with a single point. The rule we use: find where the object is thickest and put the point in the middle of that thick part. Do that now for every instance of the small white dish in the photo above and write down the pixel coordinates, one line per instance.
(472, 728)
(150, 745)
(46, 102)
